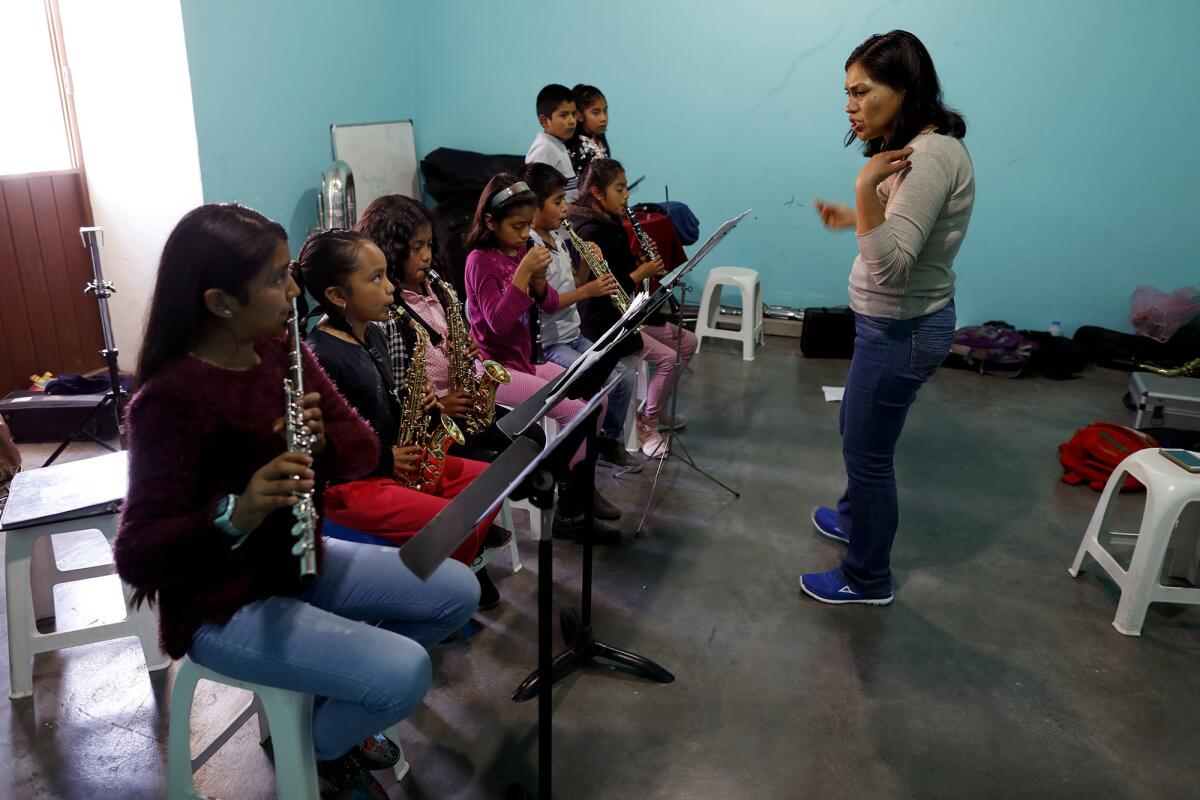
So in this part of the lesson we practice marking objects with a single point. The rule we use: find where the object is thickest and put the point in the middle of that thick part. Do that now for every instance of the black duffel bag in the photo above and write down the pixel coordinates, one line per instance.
(827, 332)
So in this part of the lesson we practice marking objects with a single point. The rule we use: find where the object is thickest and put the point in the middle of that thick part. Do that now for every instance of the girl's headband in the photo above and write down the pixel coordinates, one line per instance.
(504, 195)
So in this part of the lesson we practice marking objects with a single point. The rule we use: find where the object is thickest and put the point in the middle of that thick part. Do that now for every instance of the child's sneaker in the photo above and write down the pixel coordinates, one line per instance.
(825, 520)
(828, 587)
(653, 444)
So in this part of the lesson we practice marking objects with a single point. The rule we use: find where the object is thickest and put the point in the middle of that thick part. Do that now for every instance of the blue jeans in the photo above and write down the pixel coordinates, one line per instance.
(356, 639)
(892, 360)
(567, 353)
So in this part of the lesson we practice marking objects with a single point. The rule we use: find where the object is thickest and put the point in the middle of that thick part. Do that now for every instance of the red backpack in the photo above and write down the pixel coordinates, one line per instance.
(1095, 451)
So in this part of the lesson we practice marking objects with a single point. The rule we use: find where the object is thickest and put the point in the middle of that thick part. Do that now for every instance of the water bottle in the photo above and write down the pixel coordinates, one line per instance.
(1056, 328)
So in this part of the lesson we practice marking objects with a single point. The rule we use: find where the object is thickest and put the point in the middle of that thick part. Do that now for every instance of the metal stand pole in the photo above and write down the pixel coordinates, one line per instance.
(114, 398)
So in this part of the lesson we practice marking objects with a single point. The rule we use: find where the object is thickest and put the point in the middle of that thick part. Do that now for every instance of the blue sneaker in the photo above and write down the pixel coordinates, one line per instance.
(825, 520)
(828, 587)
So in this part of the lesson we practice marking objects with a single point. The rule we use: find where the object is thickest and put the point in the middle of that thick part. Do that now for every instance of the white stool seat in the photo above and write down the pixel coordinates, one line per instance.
(87, 493)
(283, 716)
(751, 332)
(1170, 489)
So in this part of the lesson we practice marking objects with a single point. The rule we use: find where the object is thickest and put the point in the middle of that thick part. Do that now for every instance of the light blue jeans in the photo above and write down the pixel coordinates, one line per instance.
(567, 353)
(356, 640)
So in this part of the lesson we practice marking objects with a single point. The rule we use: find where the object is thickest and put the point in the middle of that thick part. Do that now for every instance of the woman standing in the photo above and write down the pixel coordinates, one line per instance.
(913, 201)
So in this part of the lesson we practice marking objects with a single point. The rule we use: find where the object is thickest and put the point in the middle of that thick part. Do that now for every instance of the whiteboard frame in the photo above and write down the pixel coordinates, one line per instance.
(413, 191)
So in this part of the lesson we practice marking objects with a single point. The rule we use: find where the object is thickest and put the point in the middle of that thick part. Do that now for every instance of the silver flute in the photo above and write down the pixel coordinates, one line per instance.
(299, 439)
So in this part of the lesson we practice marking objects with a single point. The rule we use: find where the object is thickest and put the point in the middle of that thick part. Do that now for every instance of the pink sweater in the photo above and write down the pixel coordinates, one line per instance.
(196, 434)
(499, 311)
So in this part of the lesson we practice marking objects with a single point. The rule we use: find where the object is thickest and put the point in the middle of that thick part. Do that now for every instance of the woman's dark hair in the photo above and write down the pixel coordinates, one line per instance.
(480, 236)
(328, 259)
(898, 59)
(216, 246)
(585, 95)
(544, 180)
(391, 221)
(598, 175)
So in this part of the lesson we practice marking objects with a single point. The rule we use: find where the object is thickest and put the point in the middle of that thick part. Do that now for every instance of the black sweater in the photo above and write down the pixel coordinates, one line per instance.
(353, 371)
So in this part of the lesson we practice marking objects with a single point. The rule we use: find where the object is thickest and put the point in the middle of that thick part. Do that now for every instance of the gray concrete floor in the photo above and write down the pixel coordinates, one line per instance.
(993, 675)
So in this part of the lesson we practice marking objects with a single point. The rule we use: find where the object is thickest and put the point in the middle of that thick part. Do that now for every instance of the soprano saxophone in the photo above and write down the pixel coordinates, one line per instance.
(598, 266)
(299, 440)
(416, 427)
(482, 389)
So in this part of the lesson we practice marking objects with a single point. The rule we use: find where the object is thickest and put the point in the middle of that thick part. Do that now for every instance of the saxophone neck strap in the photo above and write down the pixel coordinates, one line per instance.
(435, 338)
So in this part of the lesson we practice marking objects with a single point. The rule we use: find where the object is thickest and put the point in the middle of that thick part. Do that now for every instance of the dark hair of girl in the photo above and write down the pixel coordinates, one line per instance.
(216, 246)
(391, 221)
(898, 59)
(543, 179)
(481, 236)
(599, 174)
(585, 95)
(328, 259)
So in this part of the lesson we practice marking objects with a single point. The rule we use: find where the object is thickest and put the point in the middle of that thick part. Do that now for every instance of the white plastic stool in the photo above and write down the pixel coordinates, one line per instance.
(506, 521)
(1169, 490)
(751, 332)
(284, 716)
(536, 519)
(642, 368)
(86, 492)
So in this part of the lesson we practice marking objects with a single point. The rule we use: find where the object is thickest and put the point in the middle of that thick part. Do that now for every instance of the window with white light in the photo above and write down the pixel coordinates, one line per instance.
(34, 133)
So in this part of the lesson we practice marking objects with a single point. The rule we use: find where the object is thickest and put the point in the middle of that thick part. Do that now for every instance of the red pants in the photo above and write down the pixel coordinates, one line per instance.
(383, 507)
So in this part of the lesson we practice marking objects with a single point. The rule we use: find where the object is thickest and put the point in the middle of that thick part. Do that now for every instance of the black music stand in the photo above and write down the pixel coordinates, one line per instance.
(673, 439)
(520, 471)
(525, 470)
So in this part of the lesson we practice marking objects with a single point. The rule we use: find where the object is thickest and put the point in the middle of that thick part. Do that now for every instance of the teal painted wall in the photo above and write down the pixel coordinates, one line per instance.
(1080, 123)
(270, 76)
(1080, 128)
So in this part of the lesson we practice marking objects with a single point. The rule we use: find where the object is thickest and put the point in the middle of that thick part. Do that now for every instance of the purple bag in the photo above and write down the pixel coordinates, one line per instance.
(993, 349)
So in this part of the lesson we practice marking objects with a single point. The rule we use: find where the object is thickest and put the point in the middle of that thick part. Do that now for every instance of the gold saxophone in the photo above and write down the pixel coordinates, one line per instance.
(481, 390)
(416, 428)
(1189, 370)
(598, 266)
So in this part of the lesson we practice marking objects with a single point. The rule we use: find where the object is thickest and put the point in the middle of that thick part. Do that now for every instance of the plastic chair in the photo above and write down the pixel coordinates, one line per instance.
(751, 332)
(31, 573)
(283, 716)
(1169, 490)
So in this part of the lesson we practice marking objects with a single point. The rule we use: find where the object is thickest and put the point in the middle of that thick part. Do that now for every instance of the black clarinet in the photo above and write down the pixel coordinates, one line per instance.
(536, 355)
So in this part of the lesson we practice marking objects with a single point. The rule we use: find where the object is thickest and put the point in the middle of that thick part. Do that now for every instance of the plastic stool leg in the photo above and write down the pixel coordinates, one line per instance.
(1099, 521)
(295, 762)
(514, 553)
(179, 754)
(19, 604)
(43, 569)
(1157, 523)
(400, 768)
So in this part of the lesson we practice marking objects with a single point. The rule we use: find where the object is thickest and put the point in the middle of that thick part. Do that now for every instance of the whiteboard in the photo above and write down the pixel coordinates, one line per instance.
(382, 157)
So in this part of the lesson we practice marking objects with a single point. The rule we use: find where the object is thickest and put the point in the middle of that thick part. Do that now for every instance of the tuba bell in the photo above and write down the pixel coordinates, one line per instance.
(335, 202)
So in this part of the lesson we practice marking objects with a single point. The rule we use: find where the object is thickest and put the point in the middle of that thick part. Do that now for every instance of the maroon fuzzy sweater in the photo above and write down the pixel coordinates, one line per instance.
(197, 433)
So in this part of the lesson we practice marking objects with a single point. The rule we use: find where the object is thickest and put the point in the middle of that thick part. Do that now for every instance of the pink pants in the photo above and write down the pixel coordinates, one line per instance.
(525, 386)
(660, 351)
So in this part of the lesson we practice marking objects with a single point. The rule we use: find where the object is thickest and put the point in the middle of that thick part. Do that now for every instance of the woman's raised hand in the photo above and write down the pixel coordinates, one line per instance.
(835, 216)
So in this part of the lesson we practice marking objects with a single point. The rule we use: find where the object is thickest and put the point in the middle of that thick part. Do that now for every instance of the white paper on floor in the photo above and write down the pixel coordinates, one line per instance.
(833, 394)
